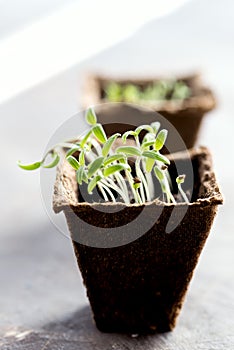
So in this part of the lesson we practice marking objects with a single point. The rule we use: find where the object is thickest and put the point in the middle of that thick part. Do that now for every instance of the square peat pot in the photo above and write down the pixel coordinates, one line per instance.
(137, 260)
(179, 116)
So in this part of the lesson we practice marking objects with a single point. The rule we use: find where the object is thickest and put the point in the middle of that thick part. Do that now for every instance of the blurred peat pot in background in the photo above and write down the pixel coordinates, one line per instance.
(184, 114)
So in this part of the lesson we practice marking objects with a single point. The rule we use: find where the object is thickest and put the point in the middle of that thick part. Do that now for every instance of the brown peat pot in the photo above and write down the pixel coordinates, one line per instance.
(137, 283)
(185, 116)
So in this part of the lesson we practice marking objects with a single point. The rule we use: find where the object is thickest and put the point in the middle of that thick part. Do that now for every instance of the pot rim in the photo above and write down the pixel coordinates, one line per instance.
(65, 187)
(203, 101)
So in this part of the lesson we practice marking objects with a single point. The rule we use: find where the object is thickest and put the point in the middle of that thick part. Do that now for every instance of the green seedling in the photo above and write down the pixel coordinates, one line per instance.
(160, 90)
(125, 170)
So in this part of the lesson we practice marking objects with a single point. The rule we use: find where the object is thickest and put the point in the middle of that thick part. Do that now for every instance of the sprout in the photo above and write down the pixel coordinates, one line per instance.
(180, 180)
(73, 162)
(91, 116)
(114, 92)
(159, 90)
(99, 164)
(160, 139)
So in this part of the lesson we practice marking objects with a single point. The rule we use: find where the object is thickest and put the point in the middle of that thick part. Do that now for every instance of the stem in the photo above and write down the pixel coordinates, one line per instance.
(185, 198)
(130, 180)
(124, 188)
(168, 178)
(166, 189)
(137, 141)
(97, 147)
(167, 174)
(138, 173)
(115, 188)
(100, 186)
(149, 180)
(109, 191)
(58, 145)
(146, 185)
(171, 197)
(138, 197)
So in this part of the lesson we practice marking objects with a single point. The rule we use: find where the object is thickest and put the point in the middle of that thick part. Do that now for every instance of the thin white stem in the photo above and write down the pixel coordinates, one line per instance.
(122, 184)
(109, 192)
(166, 174)
(97, 147)
(59, 145)
(185, 198)
(100, 186)
(171, 197)
(166, 189)
(130, 180)
(139, 175)
(138, 197)
(149, 180)
(168, 178)
(110, 183)
(90, 156)
(168, 197)
(145, 183)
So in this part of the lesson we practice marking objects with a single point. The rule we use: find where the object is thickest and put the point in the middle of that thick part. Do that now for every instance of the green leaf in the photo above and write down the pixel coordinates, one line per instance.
(144, 127)
(136, 185)
(73, 162)
(54, 162)
(95, 166)
(129, 150)
(107, 146)
(180, 179)
(85, 138)
(148, 137)
(128, 133)
(114, 92)
(115, 168)
(131, 93)
(160, 139)
(159, 173)
(181, 91)
(82, 158)
(81, 175)
(99, 133)
(147, 144)
(156, 156)
(149, 163)
(85, 176)
(156, 127)
(93, 183)
(115, 157)
(32, 166)
(73, 150)
(90, 116)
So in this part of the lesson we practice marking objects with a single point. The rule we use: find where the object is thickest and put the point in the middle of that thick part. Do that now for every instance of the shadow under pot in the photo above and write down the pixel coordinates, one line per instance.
(137, 260)
(182, 115)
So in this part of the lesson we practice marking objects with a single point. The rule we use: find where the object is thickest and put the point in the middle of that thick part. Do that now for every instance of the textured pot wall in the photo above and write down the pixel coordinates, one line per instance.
(140, 287)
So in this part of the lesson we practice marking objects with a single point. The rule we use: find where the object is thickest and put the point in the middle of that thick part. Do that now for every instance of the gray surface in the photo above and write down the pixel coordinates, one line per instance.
(40, 288)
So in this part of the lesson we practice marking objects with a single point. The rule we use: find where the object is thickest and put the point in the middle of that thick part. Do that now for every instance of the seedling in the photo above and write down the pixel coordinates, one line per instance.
(125, 170)
(158, 91)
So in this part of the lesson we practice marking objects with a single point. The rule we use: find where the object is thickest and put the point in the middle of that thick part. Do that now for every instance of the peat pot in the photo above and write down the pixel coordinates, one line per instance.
(136, 280)
(185, 116)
